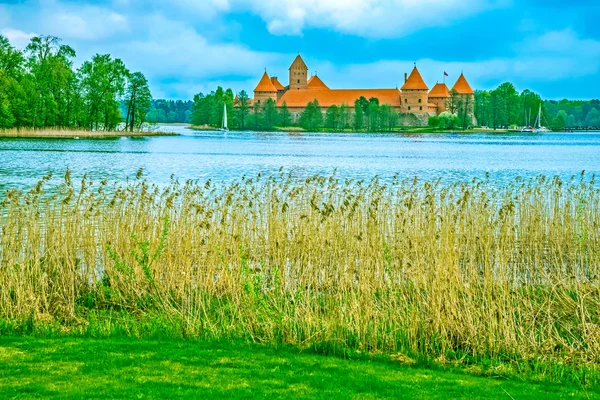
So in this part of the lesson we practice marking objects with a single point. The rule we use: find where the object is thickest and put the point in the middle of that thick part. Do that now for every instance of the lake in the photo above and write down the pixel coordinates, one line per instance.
(225, 157)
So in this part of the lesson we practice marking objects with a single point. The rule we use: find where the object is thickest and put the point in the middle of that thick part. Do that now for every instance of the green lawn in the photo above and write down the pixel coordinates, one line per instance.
(75, 368)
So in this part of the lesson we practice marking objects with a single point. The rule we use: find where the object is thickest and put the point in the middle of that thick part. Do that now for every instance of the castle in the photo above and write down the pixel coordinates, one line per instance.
(413, 97)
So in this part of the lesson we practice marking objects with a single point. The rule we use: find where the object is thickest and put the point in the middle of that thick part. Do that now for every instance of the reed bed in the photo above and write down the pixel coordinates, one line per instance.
(411, 269)
(67, 133)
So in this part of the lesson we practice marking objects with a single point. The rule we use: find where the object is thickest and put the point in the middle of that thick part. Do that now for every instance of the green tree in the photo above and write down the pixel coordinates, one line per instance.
(52, 83)
(332, 117)
(243, 107)
(270, 114)
(453, 102)
(359, 116)
(285, 116)
(103, 83)
(593, 118)
(138, 100)
(311, 119)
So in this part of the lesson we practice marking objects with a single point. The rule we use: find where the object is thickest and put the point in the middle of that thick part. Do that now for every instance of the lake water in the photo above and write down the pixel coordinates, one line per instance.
(225, 157)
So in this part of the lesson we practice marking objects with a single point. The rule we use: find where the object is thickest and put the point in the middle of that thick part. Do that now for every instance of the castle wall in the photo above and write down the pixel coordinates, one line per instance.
(440, 102)
(414, 101)
(262, 96)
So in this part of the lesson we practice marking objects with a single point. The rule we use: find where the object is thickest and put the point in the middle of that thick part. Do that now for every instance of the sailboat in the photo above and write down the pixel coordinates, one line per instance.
(538, 128)
(224, 127)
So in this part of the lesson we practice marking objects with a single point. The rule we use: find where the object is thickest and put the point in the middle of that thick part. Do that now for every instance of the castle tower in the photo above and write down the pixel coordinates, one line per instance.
(467, 95)
(439, 96)
(298, 74)
(278, 86)
(265, 90)
(414, 94)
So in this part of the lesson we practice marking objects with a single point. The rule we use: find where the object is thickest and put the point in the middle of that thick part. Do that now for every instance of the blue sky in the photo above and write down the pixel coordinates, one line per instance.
(190, 46)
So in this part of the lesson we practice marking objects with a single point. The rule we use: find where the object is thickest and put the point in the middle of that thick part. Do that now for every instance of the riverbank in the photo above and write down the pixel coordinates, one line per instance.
(75, 134)
(121, 367)
(457, 275)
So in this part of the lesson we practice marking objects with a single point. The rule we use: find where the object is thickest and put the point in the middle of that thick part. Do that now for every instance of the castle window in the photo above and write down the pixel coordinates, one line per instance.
(408, 108)
(298, 80)
(421, 108)
(419, 100)
(406, 100)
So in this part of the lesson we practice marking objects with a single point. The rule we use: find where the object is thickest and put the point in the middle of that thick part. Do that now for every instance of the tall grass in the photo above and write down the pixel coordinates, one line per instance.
(68, 133)
(458, 273)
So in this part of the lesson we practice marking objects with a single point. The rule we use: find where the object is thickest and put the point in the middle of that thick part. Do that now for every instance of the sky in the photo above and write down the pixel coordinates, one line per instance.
(189, 46)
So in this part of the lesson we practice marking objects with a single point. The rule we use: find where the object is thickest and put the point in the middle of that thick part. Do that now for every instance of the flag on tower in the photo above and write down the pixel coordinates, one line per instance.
(445, 73)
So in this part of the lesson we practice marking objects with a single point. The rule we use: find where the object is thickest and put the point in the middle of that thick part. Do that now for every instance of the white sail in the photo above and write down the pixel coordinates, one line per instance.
(225, 117)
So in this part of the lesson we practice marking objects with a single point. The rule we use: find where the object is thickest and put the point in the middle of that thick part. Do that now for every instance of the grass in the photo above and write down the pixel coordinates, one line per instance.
(74, 368)
(470, 275)
(65, 133)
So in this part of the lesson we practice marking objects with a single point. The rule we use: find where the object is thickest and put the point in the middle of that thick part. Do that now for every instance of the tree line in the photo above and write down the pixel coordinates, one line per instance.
(39, 88)
(506, 107)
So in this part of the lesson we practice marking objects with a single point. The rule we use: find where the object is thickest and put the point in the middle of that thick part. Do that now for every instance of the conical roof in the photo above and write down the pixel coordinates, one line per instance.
(276, 83)
(415, 81)
(462, 86)
(265, 84)
(298, 63)
(316, 83)
(439, 90)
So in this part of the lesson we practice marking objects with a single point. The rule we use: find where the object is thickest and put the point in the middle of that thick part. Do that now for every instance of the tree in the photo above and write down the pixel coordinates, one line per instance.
(344, 115)
(285, 117)
(138, 100)
(560, 122)
(311, 119)
(270, 115)
(373, 117)
(453, 102)
(103, 83)
(465, 112)
(593, 118)
(388, 117)
(256, 117)
(242, 106)
(332, 117)
(359, 116)
(52, 83)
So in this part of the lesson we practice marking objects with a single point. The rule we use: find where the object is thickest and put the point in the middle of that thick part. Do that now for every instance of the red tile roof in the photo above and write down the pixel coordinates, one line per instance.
(265, 84)
(315, 83)
(299, 63)
(439, 90)
(328, 97)
(462, 86)
(276, 83)
(415, 81)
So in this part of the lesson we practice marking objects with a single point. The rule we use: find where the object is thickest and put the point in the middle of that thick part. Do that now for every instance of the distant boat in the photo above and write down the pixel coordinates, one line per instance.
(537, 127)
(538, 123)
(224, 127)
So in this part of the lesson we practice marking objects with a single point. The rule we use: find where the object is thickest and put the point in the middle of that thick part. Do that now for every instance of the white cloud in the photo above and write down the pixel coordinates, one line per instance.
(368, 18)
(17, 38)
(82, 22)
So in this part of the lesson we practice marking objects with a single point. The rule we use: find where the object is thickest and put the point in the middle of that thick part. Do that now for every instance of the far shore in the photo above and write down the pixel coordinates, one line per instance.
(75, 134)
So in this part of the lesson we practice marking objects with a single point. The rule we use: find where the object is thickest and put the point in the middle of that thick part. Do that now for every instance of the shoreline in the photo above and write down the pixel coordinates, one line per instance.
(75, 134)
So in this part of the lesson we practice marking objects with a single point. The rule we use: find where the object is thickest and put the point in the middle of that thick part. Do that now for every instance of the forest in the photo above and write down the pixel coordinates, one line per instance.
(40, 88)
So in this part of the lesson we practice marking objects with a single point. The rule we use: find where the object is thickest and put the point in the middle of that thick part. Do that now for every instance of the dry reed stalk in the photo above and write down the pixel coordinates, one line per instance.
(474, 269)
